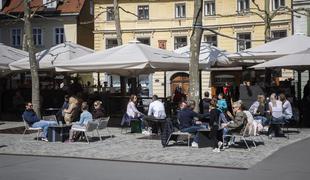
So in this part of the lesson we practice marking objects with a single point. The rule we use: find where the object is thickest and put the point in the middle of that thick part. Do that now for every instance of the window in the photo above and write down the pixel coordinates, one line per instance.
(276, 4)
(278, 34)
(180, 11)
(246, 43)
(143, 12)
(180, 42)
(211, 39)
(59, 35)
(144, 41)
(16, 37)
(110, 43)
(210, 8)
(91, 7)
(243, 6)
(110, 13)
(50, 3)
(37, 36)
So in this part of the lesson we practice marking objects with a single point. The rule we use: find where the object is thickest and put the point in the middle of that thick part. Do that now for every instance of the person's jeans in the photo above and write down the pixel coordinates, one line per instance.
(44, 125)
(262, 120)
(193, 130)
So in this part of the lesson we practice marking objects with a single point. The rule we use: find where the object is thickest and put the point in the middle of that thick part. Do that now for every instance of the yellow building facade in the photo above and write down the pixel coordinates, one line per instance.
(167, 24)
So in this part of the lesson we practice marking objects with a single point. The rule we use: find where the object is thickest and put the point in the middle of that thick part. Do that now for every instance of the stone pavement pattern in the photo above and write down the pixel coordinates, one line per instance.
(127, 147)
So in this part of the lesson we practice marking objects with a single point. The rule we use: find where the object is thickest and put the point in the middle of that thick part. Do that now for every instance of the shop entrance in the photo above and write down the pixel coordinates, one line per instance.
(182, 79)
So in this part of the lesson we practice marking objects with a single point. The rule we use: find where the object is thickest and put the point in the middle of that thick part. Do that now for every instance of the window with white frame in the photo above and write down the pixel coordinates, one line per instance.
(211, 39)
(37, 36)
(180, 10)
(278, 34)
(143, 12)
(110, 43)
(59, 35)
(244, 41)
(110, 13)
(210, 8)
(276, 4)
(243, 6)
(180, 41)
(50, 3)
(144, 40)
(16, 37)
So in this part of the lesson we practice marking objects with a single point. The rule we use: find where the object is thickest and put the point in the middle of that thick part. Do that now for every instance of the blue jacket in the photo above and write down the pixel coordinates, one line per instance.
(222, 105)
(85, 117)
(30, 117)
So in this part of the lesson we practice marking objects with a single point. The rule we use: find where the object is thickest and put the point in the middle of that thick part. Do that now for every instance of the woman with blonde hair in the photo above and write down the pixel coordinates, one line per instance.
(276, 111)
(259, 109)
(73, 111)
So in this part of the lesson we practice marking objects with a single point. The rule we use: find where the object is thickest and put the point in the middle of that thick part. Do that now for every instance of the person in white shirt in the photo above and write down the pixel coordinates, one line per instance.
(287, 108)
(157, 109)
(276, 111)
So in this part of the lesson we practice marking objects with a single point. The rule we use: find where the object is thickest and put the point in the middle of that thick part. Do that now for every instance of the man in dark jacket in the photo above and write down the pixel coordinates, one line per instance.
(33, 120)
(187, 117)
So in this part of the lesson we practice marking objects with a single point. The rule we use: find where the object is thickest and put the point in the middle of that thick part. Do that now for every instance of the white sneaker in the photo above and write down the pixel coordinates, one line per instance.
(194, 145)
(44, 139)
(216, 150)
(220, 144)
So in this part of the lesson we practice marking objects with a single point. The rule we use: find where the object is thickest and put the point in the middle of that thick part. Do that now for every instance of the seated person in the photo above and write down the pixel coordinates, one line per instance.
(72, 113)
(132, 112)
(33, 120)
(238, 121)
(84, 118)
(60, 114)
(221, 103)
(276, 111)
(287, 108)
(258, 109)
(156, 111)
(98, 111)
(187, 117)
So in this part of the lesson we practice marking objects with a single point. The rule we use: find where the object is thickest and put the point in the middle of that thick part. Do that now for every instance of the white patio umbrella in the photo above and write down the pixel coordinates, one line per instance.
(274, 49)
(296, 61)
(209, 55)
(9, 55)
(64, 52)
(127, 60)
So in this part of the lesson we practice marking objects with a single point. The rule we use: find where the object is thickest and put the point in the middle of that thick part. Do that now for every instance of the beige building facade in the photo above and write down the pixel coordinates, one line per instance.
(167, 24)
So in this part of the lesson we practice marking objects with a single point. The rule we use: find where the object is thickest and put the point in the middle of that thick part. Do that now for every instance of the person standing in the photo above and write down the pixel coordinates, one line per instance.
(215, 125)
(205, 105)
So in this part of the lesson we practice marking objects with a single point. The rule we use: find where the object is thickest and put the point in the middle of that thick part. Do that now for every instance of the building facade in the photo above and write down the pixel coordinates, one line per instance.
(55, 22)
(167, 24)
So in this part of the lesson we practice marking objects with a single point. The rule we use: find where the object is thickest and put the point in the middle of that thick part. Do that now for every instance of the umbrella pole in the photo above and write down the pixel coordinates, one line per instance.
(299, 86)
(165, 84)
(200, 81)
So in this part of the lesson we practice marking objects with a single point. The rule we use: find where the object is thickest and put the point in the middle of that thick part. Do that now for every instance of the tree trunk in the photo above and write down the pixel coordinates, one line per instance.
(117, 23)
(32, 59)
(119, 40)
(267, 21)
(195, 49)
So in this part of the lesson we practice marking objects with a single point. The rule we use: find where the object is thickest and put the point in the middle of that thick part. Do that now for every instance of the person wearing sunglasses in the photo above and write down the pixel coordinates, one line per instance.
(34, 121)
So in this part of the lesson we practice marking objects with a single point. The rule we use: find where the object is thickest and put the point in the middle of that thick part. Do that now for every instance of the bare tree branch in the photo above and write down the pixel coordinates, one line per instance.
(127, 11)
(229, 37)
